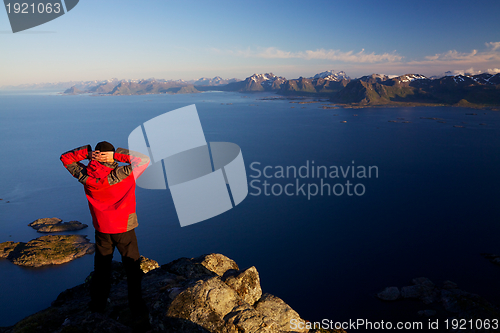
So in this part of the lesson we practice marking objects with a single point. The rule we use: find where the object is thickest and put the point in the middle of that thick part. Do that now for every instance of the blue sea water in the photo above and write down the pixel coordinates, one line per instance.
(432, 210)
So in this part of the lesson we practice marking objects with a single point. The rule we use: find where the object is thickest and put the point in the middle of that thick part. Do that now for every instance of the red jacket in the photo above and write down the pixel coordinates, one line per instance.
(110, 188)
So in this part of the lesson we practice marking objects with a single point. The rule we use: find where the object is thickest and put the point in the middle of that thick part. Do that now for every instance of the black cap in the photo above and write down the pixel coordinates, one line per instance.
(104, 146)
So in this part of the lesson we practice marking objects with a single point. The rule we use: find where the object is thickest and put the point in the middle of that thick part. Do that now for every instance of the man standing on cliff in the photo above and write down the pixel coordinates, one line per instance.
(110, 191)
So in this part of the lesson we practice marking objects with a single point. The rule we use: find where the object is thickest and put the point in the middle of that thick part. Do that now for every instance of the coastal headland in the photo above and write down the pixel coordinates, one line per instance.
(375, 90)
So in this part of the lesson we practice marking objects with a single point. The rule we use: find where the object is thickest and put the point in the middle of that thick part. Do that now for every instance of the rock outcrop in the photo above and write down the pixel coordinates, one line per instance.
(46, 250)
(493, 258)
(246, 284)
(54, 224)
(389, 294)
(205, 294)
(447, 299)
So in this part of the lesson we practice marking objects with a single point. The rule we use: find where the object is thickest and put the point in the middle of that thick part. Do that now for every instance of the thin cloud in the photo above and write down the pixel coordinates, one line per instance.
(494, 45)
(453, 57)
(471, 71)
(271, 53)
(360, 57)
(322, 54)
(450, 61)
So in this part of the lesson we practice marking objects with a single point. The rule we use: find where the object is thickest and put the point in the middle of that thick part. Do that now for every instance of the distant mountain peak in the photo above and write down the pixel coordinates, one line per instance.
(410, 77)
(215, 81)
(374, 78)
(267, 79)
(331, 75)
(73, 91)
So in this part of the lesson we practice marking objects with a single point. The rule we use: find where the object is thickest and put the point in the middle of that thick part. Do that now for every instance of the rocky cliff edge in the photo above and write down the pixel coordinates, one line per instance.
(209, 293)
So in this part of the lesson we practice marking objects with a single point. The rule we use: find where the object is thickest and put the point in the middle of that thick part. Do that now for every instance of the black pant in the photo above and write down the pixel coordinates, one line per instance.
(100, 284)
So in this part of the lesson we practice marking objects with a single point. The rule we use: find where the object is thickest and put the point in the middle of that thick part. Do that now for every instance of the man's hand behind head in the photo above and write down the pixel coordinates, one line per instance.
(103, 157)
(106, 157)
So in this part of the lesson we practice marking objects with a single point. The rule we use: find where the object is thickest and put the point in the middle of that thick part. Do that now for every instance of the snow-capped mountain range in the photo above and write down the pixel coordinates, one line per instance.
(331, 75)
(215, 81)
(411, 77)
(336, 85)
(267, 78)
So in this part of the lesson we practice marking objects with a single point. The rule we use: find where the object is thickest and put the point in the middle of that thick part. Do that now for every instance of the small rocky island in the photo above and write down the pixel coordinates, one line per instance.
(55, 224)
(209, 293)
(46, 250)
(445, 301)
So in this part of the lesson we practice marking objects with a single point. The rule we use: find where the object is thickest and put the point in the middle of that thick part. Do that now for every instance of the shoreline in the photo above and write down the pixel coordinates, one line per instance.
(325, 98)
(320, 97)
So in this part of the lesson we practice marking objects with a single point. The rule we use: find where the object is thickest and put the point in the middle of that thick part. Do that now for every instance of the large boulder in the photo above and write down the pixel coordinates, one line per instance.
(216, 262)
(245, 318)
(279, 312)
(206, 303)
(246, 284)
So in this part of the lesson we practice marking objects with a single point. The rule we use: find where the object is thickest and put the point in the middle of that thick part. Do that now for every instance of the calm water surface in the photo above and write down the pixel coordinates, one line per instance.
(431, 212)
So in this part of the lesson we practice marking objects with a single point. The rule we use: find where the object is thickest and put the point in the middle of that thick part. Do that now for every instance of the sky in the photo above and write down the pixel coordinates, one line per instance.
(132, 39)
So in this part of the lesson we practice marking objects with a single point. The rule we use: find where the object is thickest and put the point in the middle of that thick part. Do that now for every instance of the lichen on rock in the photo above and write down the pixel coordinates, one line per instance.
(246, 284)
(148, 265)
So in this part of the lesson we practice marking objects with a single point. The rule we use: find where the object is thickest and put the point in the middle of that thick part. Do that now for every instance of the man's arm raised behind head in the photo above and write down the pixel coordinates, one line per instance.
(71, 161)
